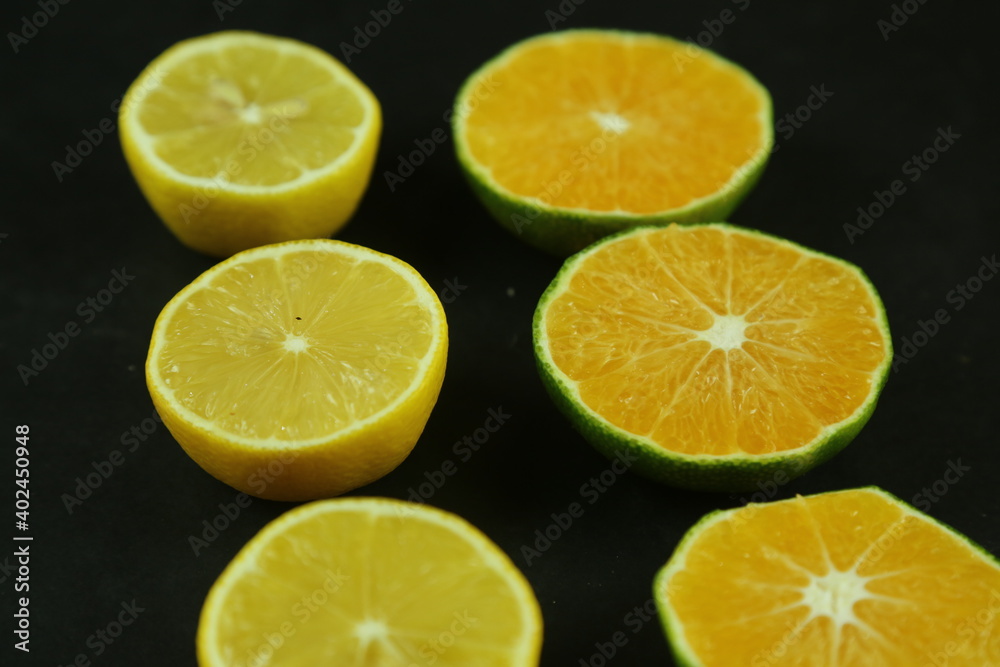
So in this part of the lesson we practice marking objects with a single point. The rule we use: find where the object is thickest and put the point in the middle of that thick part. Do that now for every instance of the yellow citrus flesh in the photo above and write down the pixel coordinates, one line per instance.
(315, 361)
(844, 578)
(370, 582)
(239, 139)
(714, 340)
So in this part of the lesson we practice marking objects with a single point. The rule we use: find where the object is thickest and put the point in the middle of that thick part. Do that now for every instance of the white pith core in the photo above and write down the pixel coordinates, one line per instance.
(251, 114)
(295, 343)
(370, 630)
(834, 595)
(726, 333)
(611, 122)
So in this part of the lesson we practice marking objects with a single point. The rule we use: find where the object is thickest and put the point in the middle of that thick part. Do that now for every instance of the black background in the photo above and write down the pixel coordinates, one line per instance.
(61, 240)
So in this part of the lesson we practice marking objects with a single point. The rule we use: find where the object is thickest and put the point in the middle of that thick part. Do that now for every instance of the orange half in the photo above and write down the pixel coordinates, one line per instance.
(852, 577)
(602, 126)
(717, 354)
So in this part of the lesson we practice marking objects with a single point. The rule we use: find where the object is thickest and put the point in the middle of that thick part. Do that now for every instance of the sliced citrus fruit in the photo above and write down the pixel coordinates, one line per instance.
(717, 356)
(573, 135)
(239, 139)
(370, 581)
(299, 370)
(854, 577)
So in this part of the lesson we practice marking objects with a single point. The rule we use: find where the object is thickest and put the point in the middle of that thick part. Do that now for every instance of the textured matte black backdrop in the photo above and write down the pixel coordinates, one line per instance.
(61, 240)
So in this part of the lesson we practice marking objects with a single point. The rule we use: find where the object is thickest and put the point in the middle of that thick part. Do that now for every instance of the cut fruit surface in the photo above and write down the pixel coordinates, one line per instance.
(570, 136)
(315, 361)
(240, 139)
(370, 581)
(717, 355)
(845, 578)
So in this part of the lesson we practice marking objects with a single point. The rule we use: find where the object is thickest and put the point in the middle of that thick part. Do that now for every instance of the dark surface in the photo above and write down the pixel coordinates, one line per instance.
(61, 240)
